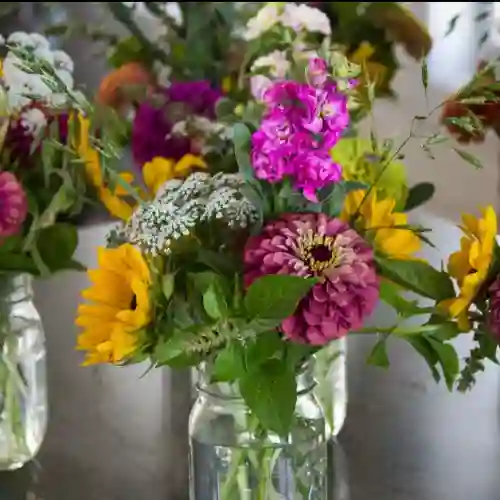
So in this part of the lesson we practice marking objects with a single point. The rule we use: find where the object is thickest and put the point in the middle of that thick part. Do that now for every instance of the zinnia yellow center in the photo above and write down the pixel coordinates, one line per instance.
(317, 251)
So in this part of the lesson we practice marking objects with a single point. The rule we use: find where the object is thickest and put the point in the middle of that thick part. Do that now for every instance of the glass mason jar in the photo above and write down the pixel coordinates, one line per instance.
(23, 387)
(232, 459)
(330, 373)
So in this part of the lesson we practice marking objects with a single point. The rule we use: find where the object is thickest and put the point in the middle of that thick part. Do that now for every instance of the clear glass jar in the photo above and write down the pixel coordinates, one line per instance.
(23, 386)
(330, 373)
(231, 459)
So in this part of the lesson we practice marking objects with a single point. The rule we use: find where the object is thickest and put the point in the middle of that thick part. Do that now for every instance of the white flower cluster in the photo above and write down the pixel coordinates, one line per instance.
(275, 66)
(290, 15)
(203, 129)
(22, 86)
(182, 206)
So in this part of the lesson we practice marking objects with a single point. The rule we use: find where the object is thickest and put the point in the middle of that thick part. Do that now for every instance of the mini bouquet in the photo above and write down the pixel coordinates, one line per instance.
(45, 183)
(248, 274)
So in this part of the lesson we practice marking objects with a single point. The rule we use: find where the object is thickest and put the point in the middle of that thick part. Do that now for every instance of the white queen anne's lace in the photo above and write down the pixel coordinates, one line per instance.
(181, 207)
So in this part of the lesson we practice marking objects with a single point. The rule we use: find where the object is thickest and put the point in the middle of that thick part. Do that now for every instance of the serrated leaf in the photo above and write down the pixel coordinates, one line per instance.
(448, 359)
(229, 363)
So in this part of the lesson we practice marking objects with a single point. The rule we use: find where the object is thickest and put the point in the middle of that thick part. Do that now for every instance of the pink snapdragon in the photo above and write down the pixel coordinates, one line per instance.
(302, 123)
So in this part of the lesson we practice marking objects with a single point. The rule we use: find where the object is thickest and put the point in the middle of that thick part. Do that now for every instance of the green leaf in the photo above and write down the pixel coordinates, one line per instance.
(214, 303)
(378, 356)
(425, 75)
(452, 24)
(419, 194)
(229, 364)
(270, 391)
(17, 263)
(390, 294)
(56, 245)
(266, 346)
(448, 359)
(418, 277)
(469, 158)
(168, 285)
(241, 140)
(425, 349)
(276, 295)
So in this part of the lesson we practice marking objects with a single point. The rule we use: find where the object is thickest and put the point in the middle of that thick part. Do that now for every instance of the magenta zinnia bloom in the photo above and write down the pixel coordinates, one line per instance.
(13, 205)
(301, 125)
(315, 245)
(494, 309)
(152, 127)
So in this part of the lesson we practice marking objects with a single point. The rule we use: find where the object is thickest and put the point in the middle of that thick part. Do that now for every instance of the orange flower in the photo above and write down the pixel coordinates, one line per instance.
(113, 89)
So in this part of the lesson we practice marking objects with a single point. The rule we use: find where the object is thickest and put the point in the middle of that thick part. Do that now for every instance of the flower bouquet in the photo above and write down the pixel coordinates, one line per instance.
(44, 185)
(248, 274)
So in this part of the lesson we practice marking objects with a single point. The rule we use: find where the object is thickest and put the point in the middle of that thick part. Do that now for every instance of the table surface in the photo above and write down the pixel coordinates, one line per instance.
(114, 435)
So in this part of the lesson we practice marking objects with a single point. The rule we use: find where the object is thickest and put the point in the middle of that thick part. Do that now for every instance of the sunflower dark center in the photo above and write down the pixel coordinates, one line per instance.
(133, 303)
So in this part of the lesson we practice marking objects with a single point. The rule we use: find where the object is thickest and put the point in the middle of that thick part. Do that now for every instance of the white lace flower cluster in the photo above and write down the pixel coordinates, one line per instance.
(182, 206)
(289, 15)
(23, 87)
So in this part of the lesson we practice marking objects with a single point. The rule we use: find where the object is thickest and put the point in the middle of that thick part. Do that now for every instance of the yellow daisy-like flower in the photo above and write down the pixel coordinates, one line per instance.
(470, 265)
(384, 227)
(119, 305)
(375, 71)
(113, 200)
(160, 170)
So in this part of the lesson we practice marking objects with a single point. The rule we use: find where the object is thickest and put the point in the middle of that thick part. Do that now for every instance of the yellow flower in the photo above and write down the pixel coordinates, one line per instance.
(384, 226)
(119, 305)
(470, 265)
(113, 200)
(376, 72)
(160, 170)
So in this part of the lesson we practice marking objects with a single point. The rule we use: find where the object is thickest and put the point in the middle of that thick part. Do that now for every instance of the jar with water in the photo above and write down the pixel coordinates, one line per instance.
(233, 458)
(23, 388)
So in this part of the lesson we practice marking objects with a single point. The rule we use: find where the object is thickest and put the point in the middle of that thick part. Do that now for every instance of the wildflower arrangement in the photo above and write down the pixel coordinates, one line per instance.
(252, 272)
(43, 184)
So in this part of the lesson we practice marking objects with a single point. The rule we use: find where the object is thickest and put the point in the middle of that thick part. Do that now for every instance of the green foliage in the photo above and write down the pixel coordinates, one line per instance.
(417, 276)
(419, 194)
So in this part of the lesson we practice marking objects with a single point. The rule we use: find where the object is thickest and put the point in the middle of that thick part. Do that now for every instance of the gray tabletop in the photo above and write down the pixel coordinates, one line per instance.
(116, 436)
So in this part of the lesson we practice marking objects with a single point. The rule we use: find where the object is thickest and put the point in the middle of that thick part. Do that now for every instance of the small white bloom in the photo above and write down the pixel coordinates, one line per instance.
(63, 61)
(163, 74)
(34, 121)
(258, 86)
(39, 41)
(264, 20)
(19, 38)
(276, 62)
(304, 17)
(2, 40)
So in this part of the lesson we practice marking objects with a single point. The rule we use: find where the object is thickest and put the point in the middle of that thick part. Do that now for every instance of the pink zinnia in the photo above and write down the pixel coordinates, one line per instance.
(314, 245)
(493, 317)
(13, 205)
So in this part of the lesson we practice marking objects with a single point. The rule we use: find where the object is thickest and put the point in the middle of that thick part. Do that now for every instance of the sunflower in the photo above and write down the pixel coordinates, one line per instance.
(470, 265)
(119, 306)
(361, 163)
(160, 170)
(385, 228)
